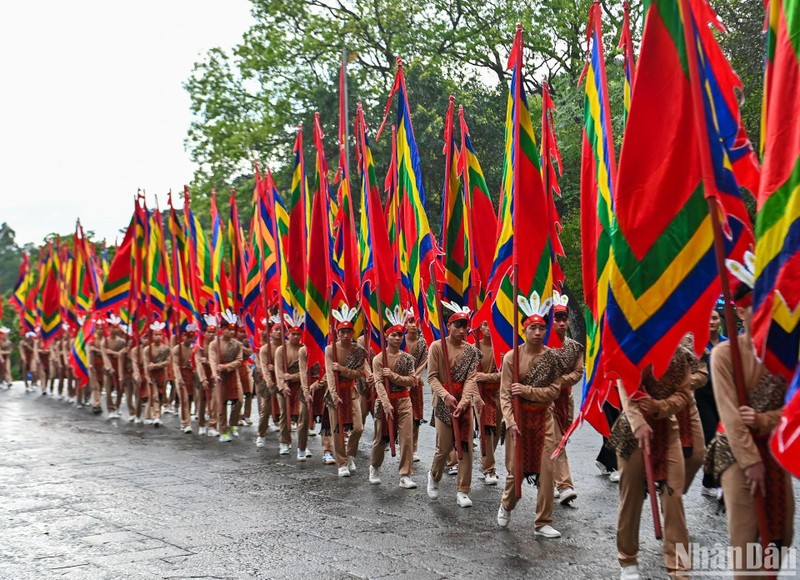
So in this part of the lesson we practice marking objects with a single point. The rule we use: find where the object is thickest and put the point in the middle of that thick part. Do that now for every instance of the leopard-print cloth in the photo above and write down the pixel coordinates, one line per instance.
(403, 367)
(564, 407)
(463, 368)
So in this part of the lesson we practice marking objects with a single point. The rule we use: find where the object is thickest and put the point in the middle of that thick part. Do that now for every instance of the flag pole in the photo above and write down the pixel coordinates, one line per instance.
(344, 108)
(385, 358)
(719, 243)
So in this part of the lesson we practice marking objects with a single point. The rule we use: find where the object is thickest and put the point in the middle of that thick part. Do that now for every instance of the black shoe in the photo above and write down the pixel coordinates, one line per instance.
(97, 410)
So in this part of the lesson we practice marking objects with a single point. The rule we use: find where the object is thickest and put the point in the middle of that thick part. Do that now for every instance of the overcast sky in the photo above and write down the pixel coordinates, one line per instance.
(92, 105)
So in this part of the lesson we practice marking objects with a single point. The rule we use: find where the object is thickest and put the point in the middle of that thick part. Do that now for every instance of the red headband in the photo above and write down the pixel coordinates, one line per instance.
(456, 316)
(534, 319)
(396, 328)
(344, 324)
(560, 308)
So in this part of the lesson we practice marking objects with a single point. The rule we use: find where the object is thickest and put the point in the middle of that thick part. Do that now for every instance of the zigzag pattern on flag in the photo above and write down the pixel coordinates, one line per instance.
(51, 297)
(200, 266)
(776, 295)
(480, 211)
(598, 173)
(187, 310)
(296, 228)
(376, 257)
(116, 287)
(522, 220)
(663, 273)
(318, 282)
(20, 291)
(158, 289)
(79, 354)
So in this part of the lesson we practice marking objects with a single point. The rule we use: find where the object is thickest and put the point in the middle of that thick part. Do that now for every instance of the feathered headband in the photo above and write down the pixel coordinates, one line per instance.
(190, 328)
(397, 320)
(746, 274)
(294, 323)
(534, 309)
(458, 312)
(344, 316)
(560, 302)
(4, 330)
(114, 320)
(210, 320)
(230, 318)
(158, 326)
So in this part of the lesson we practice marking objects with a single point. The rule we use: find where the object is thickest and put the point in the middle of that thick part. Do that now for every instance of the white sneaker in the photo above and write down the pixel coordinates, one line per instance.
(351, 463)
(137, 421)
(202, 430)
(284, 449)
(131, 419)
(301, 455)
(433, 487)
(568, 495)
(630, 573)
(328, 459)
(261, 441)
(603, 469)
(148, 421)
(224, 438)
(212, 432)
(556, 493)
(114, 415)
(490, 479)
(503, 517)
(709, 491)
(312, 432)
(416, 457)
(187, 429)
(344, 472)
(614, 477)
(234, 431)
(294, 426)
(308, 453)
(273, 428)
(407, 483)
(374, 475)
(157, 423)
(452, 470)
(462, 499)
(547, 532)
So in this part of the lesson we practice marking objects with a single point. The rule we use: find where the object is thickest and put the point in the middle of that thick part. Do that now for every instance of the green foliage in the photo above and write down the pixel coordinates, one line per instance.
(10, 257)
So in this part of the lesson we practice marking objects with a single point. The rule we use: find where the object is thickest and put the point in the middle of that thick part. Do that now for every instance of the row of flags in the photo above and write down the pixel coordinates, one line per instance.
(648, 223)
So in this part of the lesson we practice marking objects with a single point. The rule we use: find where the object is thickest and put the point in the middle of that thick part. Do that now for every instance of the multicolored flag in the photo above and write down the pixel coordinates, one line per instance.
(116, 288)
(221, 298)
(415, 233)
(552, 169)
(236, 256)
(158, 289)
(379, 280)
(186, 309)
(785, 440)
(776, 295)
(482, 217)
(20, 291)
(663, 274)
(456, 257)
(318, 283)
(200, 267)
(79, 353)
(296, 231)
(523, 239)
(51, 297)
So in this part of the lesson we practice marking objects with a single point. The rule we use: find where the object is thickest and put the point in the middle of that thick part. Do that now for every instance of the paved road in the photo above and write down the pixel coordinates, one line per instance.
(83, 497)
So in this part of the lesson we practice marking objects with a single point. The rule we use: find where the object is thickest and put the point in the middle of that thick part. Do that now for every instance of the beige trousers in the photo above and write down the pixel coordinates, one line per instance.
(544, 495)
(353, 408)
(446, 444)
(404, 422)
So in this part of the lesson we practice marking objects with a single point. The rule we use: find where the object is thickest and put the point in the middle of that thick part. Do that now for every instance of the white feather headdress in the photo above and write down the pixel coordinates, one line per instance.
(397, 317)
(560, 299)
(294, 321)
(534, 305)
(158, 326)
(229, 316)
(210, 320)
(745, 272)
(345, 313)
(455, 308)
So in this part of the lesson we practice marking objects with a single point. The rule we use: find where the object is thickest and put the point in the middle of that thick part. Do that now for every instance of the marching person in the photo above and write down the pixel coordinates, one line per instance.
(264, 377)
(141, 380)
(417, 347)
(27, 348)
(287, 376)
(488, 379)
(112, 348)
(207, 404)
(5, 357)
(44, 364)
(532, 432)
(393, 409)
(129, 372)
(309, 381)
(96, 364)
(345, 363)
(740, 456)
(156, 361)
(184, 365)
(245, 375)
(704, 398)
(648, 425)
(453, 402)
(571, 355)
(225, 358)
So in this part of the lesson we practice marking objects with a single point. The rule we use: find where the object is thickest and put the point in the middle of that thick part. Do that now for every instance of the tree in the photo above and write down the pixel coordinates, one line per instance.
(10, 257)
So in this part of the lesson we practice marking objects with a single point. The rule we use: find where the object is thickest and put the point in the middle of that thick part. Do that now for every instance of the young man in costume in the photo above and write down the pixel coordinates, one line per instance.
(571, 355)
(740, 456)
(452, 403)
(264, 379)
(537, 385)
(156, 360)
(184, 365)
(112, 349)
(225, 358)
(287, 375)
(394, 379)
(417, 347)
(488, 379)
(5, 357)
(345, 363)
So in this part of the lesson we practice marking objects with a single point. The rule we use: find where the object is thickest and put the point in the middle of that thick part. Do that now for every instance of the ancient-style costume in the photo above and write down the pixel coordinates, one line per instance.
(184, 363)
(293, 404)
(571, 356)
(96, 369)
(419, 350)
(266, 386)
(353, 363)
(156, 361)
(539, 373)
(463, 363)
(398, 397)
(229, 388)
(206, 402)
(112, 380)
(740, 447)
(492, 414)
(691, 428)
(670, 394)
